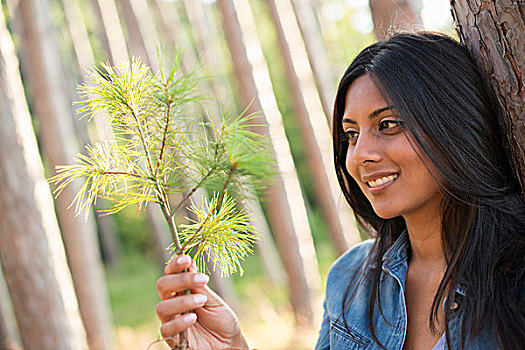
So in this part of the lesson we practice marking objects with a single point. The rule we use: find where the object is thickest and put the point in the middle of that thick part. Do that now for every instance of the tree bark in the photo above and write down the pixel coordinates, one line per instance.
(31, 253)
(494, 33)
(42, 70)
(291, 232)
(390, 16)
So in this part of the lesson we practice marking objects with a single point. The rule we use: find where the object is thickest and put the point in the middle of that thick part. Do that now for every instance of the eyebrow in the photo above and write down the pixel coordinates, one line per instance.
(371, 115)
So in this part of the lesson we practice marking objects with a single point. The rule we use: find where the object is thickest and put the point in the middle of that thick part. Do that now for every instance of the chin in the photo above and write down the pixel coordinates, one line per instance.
(386, 213)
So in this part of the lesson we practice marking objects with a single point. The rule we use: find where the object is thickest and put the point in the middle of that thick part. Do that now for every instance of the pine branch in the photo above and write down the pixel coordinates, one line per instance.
(168, 106)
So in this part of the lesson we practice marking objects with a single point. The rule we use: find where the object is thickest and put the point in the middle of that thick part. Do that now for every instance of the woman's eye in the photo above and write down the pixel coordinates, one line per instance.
(351, 135)
(390, 125)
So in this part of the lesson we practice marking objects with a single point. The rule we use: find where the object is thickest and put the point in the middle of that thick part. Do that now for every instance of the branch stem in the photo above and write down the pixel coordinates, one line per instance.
(213, 209)
(190, 193)
(125, 173)
(197, 186)
(166, 90)
(142, 139)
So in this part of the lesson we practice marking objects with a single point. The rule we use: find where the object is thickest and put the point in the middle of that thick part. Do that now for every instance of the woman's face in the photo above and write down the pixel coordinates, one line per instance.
(381, 158)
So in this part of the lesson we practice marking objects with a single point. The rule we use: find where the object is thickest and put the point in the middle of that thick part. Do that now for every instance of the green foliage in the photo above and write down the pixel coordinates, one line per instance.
(161, 147)
(230, 237)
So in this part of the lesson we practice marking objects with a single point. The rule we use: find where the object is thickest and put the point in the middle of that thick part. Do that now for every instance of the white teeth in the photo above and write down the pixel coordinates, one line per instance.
(383, 180)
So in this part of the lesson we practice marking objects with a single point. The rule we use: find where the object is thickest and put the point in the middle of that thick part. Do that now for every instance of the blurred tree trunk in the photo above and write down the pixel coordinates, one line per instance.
(494, 33)
(314, 128)
(159, 234)
(284, 205)
(172, 31)
(109, 29)
(4, 333)
(9, 335)
(316, 51)
(85, 58)
(142, 37)
(42, 70)
(135, 40)
(390, 16)
(208, 44)
(31, 253)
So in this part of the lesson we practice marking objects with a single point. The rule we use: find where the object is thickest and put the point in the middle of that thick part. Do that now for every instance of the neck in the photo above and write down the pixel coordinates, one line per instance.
(424, 232)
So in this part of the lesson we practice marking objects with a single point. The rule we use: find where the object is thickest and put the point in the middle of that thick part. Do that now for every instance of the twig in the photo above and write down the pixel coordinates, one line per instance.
(125, 173)
(190, 193)
(165, 128)
(143, 140)
(215, 207)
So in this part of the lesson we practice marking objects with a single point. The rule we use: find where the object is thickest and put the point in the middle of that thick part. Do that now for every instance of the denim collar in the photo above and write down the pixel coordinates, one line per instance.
(397, 253)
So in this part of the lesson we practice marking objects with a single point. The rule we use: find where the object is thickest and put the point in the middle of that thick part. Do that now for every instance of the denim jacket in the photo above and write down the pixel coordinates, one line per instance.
(335, 336)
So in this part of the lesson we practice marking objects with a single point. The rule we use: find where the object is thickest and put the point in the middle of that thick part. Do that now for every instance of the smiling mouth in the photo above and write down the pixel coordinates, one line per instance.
(381, 181)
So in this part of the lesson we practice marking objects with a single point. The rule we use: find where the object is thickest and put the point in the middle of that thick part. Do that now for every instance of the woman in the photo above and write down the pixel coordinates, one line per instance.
(419, 158)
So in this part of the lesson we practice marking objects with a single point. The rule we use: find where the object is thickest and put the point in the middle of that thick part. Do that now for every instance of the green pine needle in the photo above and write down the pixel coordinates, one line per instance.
(223, 236)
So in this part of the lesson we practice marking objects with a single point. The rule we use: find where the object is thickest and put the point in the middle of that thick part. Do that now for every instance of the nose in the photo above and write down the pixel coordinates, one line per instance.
(366, 150)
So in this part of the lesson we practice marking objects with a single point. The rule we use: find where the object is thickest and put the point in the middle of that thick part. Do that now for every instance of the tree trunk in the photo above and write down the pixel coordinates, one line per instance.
(390, 16)
(110, 30)
(159, 234)
(109, 241)
(316, 50)
(494, 33)
(172, 31)
(9, 335)
(314, 128)
(42, 70)
(135, 41)
(208, 44)
(291, 232)
(142, 37)
(31, 253)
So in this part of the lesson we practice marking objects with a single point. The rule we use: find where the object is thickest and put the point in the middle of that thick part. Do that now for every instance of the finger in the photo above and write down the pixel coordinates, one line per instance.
(193, 267)
(168, 285)
(213, 299)
(166, 309)
(177, 264)
(177, 325)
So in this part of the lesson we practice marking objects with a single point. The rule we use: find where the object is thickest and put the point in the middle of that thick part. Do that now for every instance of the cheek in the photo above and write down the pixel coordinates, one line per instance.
(350, 165)
(353, 170)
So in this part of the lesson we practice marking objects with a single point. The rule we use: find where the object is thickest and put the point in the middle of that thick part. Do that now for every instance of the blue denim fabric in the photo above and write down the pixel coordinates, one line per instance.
(335, 336)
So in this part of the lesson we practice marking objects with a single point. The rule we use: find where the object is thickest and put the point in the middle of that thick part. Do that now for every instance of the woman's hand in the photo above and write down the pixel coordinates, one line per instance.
(211, 323)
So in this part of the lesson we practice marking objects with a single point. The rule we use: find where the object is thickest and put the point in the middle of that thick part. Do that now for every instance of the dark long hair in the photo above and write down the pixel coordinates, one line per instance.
(435, 86)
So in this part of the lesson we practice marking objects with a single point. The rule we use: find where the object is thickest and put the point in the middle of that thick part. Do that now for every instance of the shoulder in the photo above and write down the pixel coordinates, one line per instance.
(351, 261)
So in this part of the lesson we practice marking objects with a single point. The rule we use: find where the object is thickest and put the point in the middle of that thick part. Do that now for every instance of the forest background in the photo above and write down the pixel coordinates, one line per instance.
(280, 57)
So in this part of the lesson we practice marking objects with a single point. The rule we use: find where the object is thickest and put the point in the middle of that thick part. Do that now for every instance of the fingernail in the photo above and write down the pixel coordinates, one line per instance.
(183, 260)
(200, 278)
(199, 299)
(189, 318)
